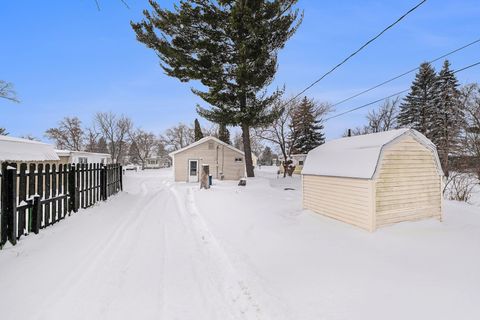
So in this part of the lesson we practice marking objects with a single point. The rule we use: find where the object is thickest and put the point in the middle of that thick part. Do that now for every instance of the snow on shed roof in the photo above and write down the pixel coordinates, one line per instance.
(17, 149)
(205, 139)
(357, 156)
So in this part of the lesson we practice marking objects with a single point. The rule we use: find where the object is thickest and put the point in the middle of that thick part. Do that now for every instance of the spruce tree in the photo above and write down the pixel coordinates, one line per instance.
(231, 47)
(198, 130)
(416, 109)
(446, 118)
(306, 128)
(224, 134)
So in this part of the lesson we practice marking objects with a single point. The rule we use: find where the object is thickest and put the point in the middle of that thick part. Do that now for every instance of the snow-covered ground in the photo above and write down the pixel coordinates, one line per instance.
(164, 250)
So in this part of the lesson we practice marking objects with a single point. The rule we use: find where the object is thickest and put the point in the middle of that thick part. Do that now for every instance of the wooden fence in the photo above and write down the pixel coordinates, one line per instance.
(36, 196)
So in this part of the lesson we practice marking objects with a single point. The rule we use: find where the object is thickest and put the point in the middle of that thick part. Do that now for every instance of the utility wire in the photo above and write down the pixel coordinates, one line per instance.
(405, 73)
(355, 52)
(392, 95)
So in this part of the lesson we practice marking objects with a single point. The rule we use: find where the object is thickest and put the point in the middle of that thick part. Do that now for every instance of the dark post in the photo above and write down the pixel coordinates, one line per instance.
(11, 203)
(349, 134)
(71, 190)
(36, 214)
(3, 209)
(103, 189)
(121, 178)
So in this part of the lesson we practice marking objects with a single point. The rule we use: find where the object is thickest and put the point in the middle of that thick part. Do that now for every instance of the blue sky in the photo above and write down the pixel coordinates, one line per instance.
(66, 58)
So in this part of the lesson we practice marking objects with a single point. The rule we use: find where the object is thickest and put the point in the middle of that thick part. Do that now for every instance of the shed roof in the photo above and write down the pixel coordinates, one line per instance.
(18, 149)
(357, 156)
(203, 140)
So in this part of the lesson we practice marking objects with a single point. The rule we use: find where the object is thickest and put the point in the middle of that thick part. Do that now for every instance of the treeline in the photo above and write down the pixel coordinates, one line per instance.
(441, 109)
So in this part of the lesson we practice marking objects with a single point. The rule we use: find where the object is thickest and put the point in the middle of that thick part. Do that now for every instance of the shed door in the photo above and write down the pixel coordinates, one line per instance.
(192, 170)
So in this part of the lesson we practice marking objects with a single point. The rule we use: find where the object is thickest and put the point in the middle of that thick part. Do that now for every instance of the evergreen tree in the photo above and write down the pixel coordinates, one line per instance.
(416, 109)
(231, 47)
(267, 156)
(198, 130)
(306, 128)
(224, 134)
(102, 146)
(446, 118)
(3, 131)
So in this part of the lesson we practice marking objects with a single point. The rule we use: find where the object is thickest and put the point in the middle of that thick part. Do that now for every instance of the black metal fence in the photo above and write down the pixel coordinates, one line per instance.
(36, 196)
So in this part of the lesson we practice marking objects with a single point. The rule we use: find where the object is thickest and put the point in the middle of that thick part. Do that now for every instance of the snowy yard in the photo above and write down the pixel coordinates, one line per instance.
(162, 250)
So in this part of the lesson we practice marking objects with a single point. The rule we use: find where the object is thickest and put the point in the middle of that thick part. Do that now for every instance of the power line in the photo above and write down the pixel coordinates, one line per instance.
(391, 96)
(356, 52)
(405, 73)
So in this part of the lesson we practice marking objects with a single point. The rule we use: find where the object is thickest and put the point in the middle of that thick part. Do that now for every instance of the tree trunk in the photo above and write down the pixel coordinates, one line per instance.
(248, 150)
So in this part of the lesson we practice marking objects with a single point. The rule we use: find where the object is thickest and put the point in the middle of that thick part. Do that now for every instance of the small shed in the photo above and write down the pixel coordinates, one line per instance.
(23, 150)
(374, 180)
(225, 161)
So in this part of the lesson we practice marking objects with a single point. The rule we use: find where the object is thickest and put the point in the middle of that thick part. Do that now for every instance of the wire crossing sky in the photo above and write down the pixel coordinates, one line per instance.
(67, 58)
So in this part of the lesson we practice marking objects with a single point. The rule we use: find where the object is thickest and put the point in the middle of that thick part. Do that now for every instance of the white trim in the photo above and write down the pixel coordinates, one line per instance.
(203, 140)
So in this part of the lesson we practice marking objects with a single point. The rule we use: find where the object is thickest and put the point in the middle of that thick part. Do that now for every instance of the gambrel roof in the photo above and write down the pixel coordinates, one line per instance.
(358, 156)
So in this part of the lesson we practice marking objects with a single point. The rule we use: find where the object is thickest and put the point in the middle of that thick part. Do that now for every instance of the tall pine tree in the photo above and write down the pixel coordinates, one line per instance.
(224, 134)
(197, 130)
(306, 128)
(416, 109)
(446, 118)
(231, 47)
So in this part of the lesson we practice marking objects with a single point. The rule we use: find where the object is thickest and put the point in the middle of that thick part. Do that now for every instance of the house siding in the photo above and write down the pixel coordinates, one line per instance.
(408, 184)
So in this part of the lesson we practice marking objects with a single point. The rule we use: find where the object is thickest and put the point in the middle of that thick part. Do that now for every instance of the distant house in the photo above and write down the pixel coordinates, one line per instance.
(67, 156)
(22, 150)
(298, 160)
(375, 180)
(225, 161)
(158, 162)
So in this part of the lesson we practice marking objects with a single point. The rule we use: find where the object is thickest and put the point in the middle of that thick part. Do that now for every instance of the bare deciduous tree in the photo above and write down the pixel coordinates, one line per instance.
(3, 132)
(178, 137)
(7, 91)
(142, 145)
(114, 129)
(383, 119)
(68, 135)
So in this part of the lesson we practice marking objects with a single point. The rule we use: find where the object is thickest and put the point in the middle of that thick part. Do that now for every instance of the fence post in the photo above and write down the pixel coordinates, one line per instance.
(72, 205)
(103, 183)
(9, 204)
(36, 214)
(121, 178)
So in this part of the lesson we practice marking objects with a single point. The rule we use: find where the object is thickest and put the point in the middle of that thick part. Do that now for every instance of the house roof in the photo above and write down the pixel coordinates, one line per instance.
(357, 156)
(66, 153)
(203, 140)
(18, 149)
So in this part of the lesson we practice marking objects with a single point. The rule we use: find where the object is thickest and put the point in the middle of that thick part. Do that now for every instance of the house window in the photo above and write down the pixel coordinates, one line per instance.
(238, 159)
(210, 146)
(300, 163)
(82, 160)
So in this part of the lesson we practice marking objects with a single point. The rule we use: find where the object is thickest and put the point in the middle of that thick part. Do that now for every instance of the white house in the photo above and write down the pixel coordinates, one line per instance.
(68, 156)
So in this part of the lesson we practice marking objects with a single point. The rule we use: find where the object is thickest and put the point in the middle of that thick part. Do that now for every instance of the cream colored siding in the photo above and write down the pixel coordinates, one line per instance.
(220, 159)
(408, 184)
(345, 199)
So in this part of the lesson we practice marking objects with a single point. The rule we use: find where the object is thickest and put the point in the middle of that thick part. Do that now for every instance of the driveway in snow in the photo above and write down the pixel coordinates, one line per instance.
(162, 250)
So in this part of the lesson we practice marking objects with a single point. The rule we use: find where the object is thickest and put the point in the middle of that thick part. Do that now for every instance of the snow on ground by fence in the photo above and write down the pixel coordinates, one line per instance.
(165, 250)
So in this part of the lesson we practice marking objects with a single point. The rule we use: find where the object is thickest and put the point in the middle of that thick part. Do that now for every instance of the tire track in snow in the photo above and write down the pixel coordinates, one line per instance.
(234, 288)
(97, 254)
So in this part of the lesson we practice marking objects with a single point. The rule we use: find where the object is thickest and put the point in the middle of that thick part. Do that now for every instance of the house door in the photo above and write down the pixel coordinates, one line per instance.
(192, 170)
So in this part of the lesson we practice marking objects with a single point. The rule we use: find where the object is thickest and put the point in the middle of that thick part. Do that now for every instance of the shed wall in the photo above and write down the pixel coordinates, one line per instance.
(221, 161)
(408, 185)
(345, 199)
